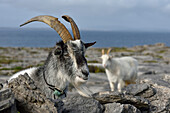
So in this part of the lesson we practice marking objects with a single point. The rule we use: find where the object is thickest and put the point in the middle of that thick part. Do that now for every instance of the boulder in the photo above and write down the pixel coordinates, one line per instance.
(143, 90)
(120, 108)
(30, 98)
(110, 97)
(79, 104)
(7, 101)
(161, 84)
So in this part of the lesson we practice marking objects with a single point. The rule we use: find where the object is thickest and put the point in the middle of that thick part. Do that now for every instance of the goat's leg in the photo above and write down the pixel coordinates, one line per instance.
(120, 85)
(112, 86)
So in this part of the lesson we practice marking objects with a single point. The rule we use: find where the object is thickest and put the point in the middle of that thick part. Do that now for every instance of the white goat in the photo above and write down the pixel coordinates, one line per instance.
(120, 71)
(65, 63)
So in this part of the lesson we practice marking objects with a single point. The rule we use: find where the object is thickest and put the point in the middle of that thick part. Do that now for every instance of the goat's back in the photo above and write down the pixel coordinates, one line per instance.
(129, 68)
(124, 67)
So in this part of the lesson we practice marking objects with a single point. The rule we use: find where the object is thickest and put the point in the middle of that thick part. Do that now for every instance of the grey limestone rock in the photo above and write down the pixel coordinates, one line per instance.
(120, 108)
(110, 97)
(30, 99)
(143, 90)
(78, 104)
(7, 101)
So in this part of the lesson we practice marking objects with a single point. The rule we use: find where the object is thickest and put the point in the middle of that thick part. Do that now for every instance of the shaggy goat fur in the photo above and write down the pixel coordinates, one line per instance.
(120, 71)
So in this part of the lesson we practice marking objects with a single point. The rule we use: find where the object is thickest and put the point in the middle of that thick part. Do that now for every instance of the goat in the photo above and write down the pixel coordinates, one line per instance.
(65, 63)
(120, 71)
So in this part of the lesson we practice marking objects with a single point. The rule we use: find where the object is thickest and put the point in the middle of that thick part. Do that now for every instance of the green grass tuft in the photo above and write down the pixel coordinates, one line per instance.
(93, 61)
(150, 61)
(95, 69)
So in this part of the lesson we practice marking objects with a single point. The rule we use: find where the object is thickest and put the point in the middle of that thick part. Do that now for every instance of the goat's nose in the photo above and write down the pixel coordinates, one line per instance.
(86, 73)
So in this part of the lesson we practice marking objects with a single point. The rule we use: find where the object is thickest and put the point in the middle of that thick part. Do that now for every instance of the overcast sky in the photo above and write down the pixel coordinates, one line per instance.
(142, 15)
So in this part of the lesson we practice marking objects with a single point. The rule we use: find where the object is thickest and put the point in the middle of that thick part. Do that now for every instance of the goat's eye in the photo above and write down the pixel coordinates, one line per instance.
(57, 52)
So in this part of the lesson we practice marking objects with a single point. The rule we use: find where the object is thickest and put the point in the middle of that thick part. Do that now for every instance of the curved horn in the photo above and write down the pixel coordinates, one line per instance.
(108, 51)
(74, 27)
(102, 51)
(53, 23)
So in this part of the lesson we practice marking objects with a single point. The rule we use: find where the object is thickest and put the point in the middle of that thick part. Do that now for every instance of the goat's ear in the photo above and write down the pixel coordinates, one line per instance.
(58, 51)
(89, 44)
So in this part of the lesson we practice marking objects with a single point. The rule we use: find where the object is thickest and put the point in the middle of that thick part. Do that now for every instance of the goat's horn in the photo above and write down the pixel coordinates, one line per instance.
(74, 27)
(102, 51)
(53, 23)
(89, 44)
(108, 51)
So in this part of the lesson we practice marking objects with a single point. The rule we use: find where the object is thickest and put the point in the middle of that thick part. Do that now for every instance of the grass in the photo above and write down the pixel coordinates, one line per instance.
(8, 61)
(15, 69)
(158, 56)
(150, 61)
(2, 48)
(33, 52)
(161, 51)
(19, 68)
(93, 61)
(95, 69)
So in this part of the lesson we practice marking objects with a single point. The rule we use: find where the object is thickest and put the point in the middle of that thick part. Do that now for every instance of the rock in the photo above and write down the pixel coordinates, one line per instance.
(149, 72)
(30, 99)
(159, 102)
(167, 108)
(7, 101)
(143, 90)
(120, 108)
(78, 104)
(110, 97)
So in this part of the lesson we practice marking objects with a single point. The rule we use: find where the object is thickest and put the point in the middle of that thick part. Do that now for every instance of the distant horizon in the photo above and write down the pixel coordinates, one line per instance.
(47, 37)
(48, 28)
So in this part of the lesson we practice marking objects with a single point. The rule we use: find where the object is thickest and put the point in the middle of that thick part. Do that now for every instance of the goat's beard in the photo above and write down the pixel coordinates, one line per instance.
(80, 85)
(82, 88)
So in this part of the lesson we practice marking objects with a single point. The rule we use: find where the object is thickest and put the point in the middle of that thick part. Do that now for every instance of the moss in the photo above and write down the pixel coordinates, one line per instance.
(95, 69)
(15, 68)
(161, 51)
(39, 65)
(93, 61)
(8, 61)
(34, 52)
(158, 56)
(150, 61)
(5, 69)
(2, 57)
(122, 49)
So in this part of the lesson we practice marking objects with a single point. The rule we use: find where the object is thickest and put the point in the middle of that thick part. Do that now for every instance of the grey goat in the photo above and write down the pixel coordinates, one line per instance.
(65, 63)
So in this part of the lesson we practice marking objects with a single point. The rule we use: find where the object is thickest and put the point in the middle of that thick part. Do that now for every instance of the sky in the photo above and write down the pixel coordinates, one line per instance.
(107, 15)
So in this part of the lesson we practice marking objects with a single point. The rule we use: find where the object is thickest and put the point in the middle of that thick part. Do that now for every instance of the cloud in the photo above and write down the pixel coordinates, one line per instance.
(97, 14)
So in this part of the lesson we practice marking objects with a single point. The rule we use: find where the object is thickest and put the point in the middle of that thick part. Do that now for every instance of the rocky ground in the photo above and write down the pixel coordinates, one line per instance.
(153, 81)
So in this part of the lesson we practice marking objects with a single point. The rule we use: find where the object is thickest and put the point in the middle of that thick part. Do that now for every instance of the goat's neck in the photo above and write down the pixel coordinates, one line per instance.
(54, 75)
(113, 64)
